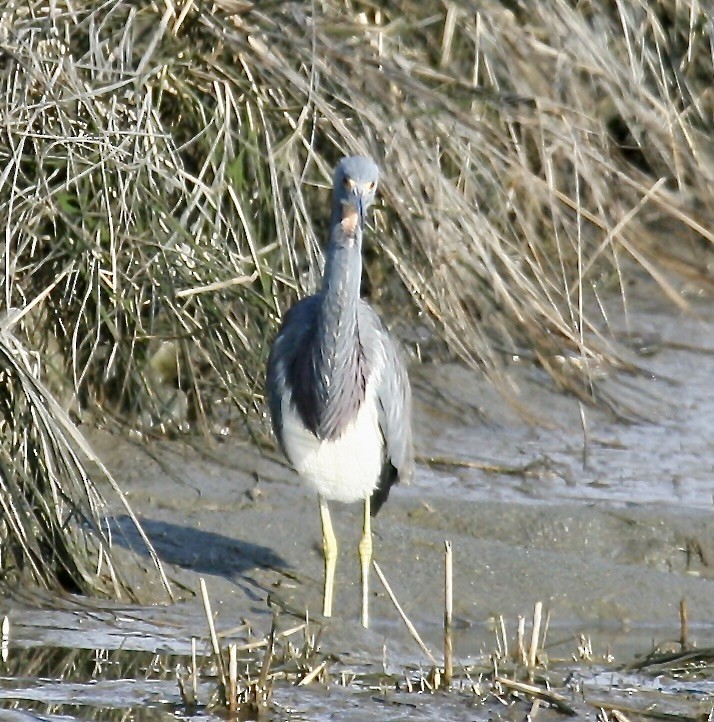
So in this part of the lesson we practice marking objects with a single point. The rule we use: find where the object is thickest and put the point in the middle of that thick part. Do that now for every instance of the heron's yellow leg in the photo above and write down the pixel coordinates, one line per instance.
(365, 558)
(329, 547)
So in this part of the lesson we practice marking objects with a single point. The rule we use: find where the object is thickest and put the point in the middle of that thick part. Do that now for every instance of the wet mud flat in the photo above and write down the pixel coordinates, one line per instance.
(610, 529)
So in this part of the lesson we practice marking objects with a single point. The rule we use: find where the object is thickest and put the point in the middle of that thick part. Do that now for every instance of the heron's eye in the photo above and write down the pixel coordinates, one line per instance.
(347, 182)
(371, 186)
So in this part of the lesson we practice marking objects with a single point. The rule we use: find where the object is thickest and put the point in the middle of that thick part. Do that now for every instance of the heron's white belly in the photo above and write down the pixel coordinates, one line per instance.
(344, 469)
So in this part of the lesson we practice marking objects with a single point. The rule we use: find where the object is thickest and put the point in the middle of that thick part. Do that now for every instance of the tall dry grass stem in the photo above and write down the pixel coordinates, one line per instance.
(205, 599)
(448, 614)
(407, 623)
(535, 635)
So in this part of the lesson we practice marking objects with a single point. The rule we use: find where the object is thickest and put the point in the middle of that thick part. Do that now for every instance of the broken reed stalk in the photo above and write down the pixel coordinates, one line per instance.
(267, 659)
(683, 624)
(546, 627)
(535, 634)
(586, 437)
(232, 692)
(194, 670)
(212, 632)
(557, 700)
(410, 627)
(504, 639)
(519, 654)
(5, 638)
(312, 674)
(448, 615)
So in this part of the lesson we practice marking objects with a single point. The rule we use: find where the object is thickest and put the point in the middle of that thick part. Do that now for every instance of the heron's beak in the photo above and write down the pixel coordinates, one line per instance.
(360, 211)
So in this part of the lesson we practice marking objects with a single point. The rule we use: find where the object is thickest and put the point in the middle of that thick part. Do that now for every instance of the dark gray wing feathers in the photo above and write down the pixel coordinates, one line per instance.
(393, 391)
(297, 329)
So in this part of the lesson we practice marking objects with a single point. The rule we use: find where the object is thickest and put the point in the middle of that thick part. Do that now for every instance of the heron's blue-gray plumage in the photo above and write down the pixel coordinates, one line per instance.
(333, 354)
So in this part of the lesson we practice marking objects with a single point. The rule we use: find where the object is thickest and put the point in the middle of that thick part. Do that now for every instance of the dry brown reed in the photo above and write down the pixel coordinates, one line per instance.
(167, 168)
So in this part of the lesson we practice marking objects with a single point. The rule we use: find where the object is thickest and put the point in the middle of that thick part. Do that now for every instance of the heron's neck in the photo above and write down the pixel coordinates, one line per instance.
(338, 374)
(340, 290)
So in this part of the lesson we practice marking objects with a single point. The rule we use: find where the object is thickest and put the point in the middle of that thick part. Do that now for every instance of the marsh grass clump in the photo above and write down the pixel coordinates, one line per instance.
(52, 529)
(241, 676)
(167, 167)
(246, 671)
(163, 172)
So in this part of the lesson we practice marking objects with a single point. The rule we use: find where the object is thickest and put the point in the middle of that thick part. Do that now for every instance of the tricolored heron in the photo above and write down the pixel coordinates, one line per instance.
(338, 389)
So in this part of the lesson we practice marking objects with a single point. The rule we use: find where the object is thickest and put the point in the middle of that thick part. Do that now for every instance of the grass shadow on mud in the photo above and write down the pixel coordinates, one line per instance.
(198, 550)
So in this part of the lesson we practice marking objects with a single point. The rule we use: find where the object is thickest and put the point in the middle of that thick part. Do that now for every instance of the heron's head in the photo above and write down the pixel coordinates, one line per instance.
(355, 185)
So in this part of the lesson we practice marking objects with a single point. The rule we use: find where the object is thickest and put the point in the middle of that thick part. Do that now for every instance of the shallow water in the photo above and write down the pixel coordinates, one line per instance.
(56, 683)
(610, 539)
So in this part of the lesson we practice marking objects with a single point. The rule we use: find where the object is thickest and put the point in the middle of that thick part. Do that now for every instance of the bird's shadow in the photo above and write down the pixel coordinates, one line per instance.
(201, 551)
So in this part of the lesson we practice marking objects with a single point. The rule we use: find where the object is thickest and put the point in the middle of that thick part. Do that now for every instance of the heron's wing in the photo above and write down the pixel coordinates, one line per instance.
(393, 391)
(298, 326)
